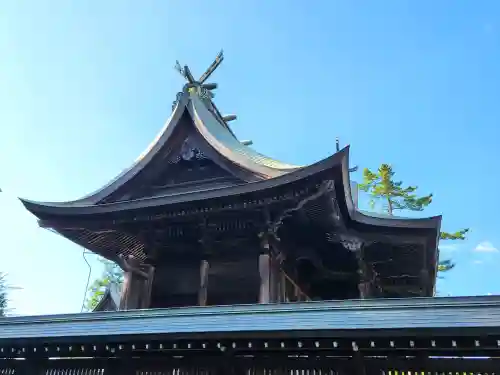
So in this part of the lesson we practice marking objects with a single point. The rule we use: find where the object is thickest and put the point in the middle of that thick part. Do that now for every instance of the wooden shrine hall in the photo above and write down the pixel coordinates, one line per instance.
(202, 219)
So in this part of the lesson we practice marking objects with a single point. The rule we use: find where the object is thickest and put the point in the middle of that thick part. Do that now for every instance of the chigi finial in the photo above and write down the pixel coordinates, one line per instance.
(203, 89)
(186, 73)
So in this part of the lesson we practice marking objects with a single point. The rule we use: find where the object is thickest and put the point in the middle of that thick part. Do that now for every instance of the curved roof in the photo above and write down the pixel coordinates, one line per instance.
(339, 161)
(213, 130)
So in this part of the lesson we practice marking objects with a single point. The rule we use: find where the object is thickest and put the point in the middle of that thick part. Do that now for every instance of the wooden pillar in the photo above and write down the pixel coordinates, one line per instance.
(147, 286)
(127, 276)
(269, 270)
(265, 269)
(203, 292)
(265, 278)
(357, 246)
(131, 291)
(137, 281)
(365, 279)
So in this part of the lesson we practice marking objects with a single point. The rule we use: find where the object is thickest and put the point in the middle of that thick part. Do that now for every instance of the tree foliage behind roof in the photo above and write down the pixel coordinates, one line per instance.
(391, 195)
(112, 273)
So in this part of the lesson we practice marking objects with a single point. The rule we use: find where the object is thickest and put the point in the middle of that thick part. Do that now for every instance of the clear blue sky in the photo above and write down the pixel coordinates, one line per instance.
(86, 85)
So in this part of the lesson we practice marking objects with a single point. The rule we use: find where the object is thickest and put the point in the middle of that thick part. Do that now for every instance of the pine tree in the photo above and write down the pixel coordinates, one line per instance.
(390, 196)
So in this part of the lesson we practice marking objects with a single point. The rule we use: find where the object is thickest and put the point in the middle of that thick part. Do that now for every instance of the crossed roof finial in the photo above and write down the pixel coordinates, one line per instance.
(186, 72)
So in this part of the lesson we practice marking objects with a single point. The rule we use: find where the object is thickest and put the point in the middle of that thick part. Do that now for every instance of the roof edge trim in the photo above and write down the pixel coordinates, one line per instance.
(340, 159)
(154, 147)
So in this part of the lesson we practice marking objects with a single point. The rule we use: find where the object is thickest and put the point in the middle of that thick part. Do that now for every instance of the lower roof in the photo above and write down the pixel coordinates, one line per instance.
(338, 318)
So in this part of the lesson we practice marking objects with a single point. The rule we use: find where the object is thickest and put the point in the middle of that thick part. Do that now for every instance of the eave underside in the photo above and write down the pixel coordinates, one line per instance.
(401, 260)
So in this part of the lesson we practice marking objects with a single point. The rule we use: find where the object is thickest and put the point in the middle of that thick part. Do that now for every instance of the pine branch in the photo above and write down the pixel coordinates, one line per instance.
(459, 235)
(381, 187)
(445, 265)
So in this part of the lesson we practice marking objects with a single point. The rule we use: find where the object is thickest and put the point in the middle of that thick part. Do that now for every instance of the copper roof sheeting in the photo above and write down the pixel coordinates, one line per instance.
(226, 144)
(339, 318)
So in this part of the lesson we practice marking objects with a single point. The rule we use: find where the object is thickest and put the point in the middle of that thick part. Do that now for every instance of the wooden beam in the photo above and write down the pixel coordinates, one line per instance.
(203, 292)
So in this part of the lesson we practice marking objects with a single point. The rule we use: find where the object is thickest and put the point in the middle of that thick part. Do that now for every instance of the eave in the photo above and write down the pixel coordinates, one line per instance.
(335, 164)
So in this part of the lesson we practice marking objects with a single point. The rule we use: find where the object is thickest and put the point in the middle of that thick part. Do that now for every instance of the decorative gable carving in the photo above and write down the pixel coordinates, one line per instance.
(184, 168)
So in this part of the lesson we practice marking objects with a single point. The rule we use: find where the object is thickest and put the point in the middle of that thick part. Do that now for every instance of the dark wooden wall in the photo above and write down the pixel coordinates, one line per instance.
(228, 280)
(233, 280)
(176, 283)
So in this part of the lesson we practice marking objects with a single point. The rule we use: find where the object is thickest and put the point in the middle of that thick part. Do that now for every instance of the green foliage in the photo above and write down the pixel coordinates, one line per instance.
(112, 274)
(459, 235)
(3, 294)
(391, 195)
(445, 265)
